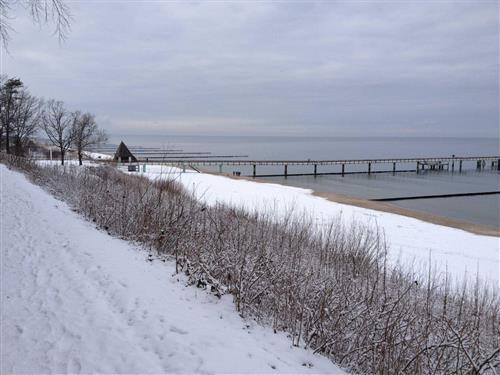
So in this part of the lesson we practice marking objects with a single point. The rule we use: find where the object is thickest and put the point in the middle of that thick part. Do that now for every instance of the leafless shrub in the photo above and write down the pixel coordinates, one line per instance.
(330, 290)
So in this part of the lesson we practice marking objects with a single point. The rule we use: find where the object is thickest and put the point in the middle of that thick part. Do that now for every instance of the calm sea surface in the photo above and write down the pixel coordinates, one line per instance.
(478, 209)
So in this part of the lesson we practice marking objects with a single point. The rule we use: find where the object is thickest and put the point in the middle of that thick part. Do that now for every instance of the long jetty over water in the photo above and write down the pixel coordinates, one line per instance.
(430, 163)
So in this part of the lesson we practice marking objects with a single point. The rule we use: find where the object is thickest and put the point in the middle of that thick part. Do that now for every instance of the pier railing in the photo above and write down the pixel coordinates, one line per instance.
(421, 163)
(323, 162)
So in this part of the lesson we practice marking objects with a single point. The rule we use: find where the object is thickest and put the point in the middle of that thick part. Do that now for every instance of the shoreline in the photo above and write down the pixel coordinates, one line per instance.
(420, 215)
(384, 207)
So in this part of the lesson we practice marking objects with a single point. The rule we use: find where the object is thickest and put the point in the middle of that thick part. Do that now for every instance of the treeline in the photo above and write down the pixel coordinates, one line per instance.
(331, 289)
(23, 115)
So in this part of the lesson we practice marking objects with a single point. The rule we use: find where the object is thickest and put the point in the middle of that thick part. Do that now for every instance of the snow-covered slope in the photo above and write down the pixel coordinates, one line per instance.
(74, 299)
(460, 253)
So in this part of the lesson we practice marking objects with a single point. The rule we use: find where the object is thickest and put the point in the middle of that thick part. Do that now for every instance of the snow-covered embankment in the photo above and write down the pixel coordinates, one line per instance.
(411, 241)
(76, 300)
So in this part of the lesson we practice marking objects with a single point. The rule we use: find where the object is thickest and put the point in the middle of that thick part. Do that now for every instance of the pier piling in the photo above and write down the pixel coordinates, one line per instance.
(422, 163)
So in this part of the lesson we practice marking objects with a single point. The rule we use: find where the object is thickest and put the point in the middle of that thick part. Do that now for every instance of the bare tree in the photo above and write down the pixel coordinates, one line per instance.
(85, 133)
(9, 92)
(56, 122)
(41, 11)
(3, 80)
(26, 121)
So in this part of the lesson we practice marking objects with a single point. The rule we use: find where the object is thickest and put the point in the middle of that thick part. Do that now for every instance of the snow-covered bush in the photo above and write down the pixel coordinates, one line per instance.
(331, 290)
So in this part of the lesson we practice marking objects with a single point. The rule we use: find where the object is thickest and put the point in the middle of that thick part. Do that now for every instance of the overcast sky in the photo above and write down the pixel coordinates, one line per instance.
(269, 68)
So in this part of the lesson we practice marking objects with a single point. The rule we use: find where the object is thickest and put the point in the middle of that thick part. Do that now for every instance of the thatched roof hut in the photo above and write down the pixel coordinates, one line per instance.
(123, 154)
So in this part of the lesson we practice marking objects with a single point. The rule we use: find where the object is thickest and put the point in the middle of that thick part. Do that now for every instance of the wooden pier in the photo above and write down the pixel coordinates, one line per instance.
(429, 163)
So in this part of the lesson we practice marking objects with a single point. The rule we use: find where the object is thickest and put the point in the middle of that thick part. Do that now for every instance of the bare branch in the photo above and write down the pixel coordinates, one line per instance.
(55, 12)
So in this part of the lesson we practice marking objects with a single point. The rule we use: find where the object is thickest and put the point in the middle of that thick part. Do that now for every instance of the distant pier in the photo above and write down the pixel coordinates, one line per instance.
(428, 163)
(178, 157)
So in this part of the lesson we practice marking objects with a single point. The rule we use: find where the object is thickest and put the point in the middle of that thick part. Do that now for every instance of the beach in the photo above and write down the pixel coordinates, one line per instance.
(414, 240)
(390, 208)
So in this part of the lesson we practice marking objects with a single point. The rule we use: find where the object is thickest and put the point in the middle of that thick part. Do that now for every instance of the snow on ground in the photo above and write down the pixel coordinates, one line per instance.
(98, 155)
(76, 300)
(412, 241)
(56, 162)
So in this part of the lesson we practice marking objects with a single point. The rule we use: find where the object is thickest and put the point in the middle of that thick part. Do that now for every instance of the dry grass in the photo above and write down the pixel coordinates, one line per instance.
(331, 291)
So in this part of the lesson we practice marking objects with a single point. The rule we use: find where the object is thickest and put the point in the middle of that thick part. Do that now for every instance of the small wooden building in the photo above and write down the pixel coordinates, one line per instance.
(123, 154)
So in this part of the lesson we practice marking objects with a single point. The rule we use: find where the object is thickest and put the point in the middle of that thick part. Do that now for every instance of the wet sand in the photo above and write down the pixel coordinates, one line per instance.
(424, 216)
(387, 207)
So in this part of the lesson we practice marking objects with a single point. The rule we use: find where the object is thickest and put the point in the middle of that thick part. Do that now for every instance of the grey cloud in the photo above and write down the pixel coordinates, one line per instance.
(334, 68)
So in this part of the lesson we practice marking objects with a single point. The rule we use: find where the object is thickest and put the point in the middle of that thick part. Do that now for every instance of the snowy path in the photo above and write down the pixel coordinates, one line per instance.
(77, 300)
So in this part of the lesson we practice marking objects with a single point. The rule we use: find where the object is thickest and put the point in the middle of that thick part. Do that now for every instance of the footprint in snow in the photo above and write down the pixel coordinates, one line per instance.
(178, 330)
(74, 366)
(123, 284)
(19, 329)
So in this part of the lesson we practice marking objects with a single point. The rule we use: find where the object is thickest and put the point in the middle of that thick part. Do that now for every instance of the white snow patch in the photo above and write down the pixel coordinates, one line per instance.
(76, 300)
(98, 155)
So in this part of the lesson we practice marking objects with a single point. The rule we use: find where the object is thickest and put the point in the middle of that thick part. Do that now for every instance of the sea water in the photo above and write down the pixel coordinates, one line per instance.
(483, 210)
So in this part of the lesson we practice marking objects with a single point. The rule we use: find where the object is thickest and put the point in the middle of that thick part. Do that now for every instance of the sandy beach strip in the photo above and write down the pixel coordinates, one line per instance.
(385, 207)
(424, 216)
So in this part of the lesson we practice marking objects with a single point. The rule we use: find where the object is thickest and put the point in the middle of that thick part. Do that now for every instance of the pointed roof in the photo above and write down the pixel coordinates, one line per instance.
(123, 153)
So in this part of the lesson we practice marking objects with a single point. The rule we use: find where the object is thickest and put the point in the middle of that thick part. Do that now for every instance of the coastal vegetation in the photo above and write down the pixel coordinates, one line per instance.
(330, 290)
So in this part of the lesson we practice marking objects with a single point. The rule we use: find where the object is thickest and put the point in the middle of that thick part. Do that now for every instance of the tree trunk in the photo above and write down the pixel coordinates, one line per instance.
(80, 157)
(18, 147)
(7, 136)
(62, 156)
